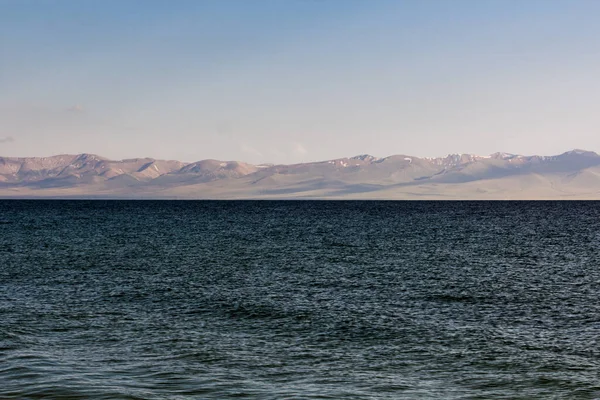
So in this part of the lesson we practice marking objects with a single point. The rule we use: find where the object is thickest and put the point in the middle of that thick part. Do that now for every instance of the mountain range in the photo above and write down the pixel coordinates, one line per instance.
(571, 175)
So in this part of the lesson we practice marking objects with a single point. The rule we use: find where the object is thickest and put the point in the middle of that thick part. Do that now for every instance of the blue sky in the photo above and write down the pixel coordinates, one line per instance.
(298, 80)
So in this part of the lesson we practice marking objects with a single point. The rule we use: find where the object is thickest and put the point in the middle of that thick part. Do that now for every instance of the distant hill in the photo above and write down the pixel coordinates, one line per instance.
(571, 175)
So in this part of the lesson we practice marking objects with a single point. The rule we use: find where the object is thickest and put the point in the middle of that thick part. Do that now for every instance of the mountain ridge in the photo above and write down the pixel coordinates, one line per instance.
(572, 174)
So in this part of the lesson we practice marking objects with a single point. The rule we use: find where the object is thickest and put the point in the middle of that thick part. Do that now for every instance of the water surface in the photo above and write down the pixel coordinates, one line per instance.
(312, 300)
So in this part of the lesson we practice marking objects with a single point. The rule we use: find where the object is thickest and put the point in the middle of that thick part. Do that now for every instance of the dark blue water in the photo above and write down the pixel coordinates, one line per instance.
(310, 300)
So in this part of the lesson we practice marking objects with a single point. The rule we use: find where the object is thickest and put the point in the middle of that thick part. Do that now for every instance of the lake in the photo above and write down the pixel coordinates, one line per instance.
(299, 299)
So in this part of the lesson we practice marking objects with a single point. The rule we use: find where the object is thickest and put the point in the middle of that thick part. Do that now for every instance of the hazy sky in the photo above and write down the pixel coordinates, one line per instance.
(298, 80)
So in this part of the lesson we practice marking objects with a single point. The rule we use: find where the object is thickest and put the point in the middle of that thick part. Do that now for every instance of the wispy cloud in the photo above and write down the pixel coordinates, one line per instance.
(250, 150)
(8, 139)
(77, 108)
(299, 149)
(278, 154)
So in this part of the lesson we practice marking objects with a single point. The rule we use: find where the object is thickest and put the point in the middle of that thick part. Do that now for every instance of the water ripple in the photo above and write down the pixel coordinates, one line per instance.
(286, 300)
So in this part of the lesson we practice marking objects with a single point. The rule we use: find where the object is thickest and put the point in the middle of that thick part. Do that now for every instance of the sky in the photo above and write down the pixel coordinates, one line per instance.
(285, 81)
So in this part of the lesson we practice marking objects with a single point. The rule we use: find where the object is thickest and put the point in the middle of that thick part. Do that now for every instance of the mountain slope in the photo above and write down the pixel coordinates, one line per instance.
(573, 174)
